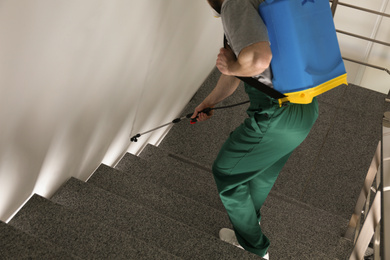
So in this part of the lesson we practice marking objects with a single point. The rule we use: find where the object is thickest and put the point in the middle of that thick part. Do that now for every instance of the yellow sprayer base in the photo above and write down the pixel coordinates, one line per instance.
(306, 96)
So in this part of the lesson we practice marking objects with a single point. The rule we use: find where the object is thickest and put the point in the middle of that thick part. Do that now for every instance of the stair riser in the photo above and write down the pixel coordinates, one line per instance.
(160, 199)
(16, 244)
(80, 235)
(177, 176)
(142, 223)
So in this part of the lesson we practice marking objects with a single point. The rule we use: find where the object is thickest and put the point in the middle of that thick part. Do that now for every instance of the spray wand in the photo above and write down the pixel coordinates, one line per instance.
(179, 119)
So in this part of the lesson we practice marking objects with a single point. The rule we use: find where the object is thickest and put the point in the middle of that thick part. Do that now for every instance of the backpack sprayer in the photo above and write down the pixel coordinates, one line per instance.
(320, 67)
(179, 119)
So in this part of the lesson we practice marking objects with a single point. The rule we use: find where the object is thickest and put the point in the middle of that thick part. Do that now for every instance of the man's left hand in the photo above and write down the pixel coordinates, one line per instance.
(226, 59)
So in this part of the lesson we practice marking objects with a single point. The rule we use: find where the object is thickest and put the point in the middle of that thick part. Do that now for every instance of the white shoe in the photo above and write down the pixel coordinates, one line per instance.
(228, 236)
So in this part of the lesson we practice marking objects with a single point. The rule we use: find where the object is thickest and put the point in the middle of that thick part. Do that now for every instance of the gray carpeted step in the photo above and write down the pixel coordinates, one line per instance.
(310, 225)
(345, 248)
(304, 224)
(291, 248)
(81, 235)
(320, 219)
(177, 176)
(143, 223)
(15, 244)
(305, 215)
(144, 192)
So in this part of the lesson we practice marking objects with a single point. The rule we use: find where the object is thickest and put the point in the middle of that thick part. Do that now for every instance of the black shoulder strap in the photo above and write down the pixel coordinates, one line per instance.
(257, 84)
(262, 87)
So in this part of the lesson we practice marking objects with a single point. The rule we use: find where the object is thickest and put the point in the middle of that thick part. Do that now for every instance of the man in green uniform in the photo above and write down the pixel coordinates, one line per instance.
(253, 155)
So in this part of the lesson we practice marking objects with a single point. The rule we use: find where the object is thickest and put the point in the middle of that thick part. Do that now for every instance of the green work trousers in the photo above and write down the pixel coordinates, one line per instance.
(250, 160)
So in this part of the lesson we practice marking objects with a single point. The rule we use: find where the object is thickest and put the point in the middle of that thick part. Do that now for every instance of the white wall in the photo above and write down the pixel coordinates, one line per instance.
(371, 26)
(77, 78)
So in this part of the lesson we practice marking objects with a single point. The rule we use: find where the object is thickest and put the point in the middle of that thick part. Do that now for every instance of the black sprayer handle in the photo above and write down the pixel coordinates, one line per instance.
(194, 120)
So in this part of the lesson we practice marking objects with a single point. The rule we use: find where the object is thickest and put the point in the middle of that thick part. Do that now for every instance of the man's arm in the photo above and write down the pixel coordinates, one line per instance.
(251, 61)
(226, 86)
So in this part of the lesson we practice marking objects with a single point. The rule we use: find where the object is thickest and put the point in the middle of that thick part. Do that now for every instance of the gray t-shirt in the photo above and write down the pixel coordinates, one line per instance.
(243, 26)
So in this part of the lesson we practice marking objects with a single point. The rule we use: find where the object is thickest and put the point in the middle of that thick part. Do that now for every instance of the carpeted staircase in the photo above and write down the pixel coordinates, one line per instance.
(164, 204)
(156, 207)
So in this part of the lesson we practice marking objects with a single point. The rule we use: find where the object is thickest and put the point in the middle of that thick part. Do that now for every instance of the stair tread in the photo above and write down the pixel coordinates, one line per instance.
(290, 248)
(313, 225)
(180, 177)
(329, 221)
(191, 168)
(15, 244)
(310, 215)
(306, 226)
(81, 235)
(144, 192)
(144, 223)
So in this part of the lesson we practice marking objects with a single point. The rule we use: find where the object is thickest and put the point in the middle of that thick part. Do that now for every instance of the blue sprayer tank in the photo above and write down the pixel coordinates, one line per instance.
(306, 59)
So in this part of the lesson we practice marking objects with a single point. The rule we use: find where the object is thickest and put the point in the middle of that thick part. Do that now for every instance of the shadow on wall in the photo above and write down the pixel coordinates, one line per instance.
(78, 78)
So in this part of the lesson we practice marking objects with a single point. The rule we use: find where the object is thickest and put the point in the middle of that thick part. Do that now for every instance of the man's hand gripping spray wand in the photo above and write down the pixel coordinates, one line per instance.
(177, 120)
